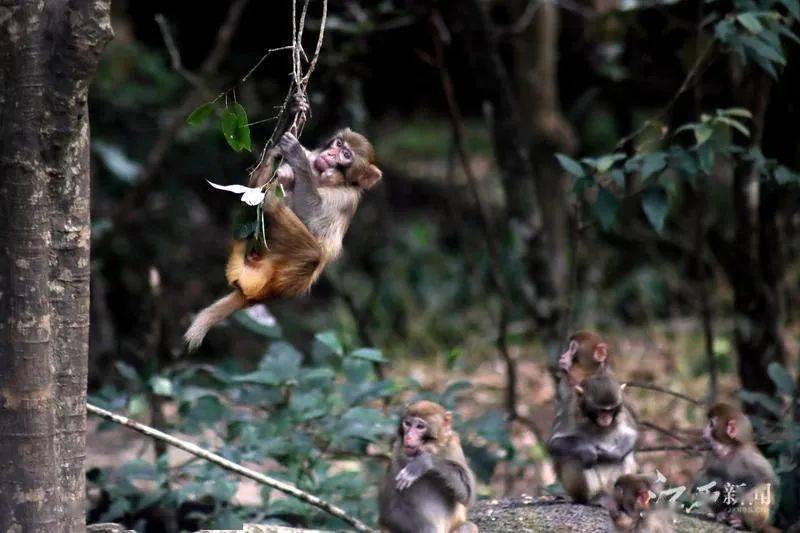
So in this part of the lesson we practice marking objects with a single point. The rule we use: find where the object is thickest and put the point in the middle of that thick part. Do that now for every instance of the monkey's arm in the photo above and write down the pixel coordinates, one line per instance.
(617, 450)
(453, 475)
(458, 480)
(573, 447)
(306, 198)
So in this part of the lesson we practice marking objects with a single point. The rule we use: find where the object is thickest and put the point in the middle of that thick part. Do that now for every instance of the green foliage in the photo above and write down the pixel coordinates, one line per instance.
(201, 114)
(650, 174)
(303, 418)
(754, 31)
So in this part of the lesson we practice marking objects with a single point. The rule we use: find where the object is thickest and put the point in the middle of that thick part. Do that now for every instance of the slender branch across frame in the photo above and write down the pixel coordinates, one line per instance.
(197, 451)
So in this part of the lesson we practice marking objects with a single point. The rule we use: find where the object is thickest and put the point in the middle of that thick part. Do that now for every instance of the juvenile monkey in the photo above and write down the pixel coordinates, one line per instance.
(304, 232)
(734, 462)
(599, 448)
(428, 485)
(586, 354)
(630, 507)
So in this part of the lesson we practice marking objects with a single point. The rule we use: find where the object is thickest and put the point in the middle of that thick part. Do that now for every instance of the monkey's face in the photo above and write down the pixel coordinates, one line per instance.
(600, 399)
(337, 155)
(633, 493)
(584, 356)
(604, 417)
(415, 432)
(719, 435)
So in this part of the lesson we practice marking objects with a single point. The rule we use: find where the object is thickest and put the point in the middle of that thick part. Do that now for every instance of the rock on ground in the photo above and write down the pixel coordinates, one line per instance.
(532, 515)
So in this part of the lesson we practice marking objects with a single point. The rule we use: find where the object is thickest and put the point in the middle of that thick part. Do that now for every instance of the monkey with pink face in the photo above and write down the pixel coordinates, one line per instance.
(428, 486)
(304, 230)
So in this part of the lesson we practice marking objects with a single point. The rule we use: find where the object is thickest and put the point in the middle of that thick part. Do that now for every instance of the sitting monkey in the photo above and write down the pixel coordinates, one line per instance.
(598, 446)
(734, 463)
(428, 486)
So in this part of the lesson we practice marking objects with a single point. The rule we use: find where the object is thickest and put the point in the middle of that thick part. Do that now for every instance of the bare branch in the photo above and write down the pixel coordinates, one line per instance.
(175, 55)
(166, 138)
(689, 450)
(656, 388)
(224, 37)
(286, 488)
(665, 431)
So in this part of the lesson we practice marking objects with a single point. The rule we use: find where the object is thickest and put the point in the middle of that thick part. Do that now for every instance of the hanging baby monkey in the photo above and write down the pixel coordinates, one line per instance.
(304, 230)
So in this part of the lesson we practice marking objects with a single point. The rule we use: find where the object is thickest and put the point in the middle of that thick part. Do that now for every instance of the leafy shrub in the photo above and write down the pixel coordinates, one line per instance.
(307, 419)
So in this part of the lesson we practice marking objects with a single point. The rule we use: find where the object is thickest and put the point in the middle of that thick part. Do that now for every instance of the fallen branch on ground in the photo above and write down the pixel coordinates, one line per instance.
(286, 488)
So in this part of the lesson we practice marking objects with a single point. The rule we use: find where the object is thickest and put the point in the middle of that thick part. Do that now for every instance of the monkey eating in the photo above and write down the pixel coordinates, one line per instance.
(597, 447)
(304, 231)
(428, 486)
(630, 506)
(734, 463)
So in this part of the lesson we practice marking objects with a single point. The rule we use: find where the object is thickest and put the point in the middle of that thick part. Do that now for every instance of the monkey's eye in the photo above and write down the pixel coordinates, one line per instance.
(347, 154)
(337, 143)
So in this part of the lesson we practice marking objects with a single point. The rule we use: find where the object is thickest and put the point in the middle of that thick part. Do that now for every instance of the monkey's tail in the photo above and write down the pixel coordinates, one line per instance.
(210, 316)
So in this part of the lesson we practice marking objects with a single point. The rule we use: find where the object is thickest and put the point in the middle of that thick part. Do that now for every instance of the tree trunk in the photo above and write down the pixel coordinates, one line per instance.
(48, 53)
(752, 259)
(536, 83)
(513, 159)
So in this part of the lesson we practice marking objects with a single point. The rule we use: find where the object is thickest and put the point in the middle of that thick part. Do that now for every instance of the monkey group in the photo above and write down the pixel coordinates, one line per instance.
(428, 486)
(593, 439)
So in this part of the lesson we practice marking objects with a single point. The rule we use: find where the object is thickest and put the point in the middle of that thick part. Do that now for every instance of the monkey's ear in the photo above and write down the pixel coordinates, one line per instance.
(732, 429)
(600, 352)
(579, 390)
(448, 419)
(370, 177)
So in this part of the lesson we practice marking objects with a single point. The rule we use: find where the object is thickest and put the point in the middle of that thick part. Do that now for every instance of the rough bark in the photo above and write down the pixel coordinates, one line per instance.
(48, 53)
(511, 151)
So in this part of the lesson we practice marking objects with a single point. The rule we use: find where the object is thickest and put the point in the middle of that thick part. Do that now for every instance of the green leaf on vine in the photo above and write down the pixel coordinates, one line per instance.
(655, 204)
(570, 165)
(201, 114)
(606, 207)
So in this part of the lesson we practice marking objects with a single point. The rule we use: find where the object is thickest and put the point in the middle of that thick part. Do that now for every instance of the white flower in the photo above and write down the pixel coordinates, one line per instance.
(250, 195)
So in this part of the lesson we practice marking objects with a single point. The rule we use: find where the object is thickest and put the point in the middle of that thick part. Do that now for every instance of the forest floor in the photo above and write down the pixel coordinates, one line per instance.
(663, 356)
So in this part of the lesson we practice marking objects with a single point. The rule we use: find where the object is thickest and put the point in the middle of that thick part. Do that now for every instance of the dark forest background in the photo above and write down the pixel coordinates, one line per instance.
(630, 167)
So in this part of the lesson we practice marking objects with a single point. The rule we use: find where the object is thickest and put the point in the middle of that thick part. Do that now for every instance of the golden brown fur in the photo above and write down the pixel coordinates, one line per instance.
(297, 250)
